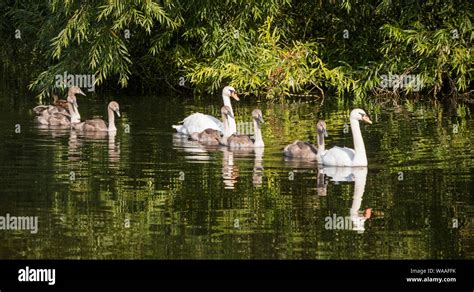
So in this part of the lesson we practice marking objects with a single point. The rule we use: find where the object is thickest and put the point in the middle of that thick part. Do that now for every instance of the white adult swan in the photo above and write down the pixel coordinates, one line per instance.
(198, 122)
(212, 136)
(306, 150)
(338, 156)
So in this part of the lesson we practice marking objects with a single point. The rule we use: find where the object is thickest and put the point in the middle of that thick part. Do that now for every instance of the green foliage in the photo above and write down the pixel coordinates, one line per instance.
(266, 67)
(89, 38)
(440, 55)
(266, 48)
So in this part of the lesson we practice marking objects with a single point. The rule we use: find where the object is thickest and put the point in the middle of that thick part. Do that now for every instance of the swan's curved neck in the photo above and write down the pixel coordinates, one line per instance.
(321, 147)
(70, 108)
(359, 146)
(226, 100)
(225, 124)
(75, 116)
(226, 133)
(74, 113)
(231, 120)
(258, 134)
(111, 120)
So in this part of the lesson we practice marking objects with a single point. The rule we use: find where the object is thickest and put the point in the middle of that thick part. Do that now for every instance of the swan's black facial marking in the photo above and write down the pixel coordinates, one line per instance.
(233, 94)
(365, 117)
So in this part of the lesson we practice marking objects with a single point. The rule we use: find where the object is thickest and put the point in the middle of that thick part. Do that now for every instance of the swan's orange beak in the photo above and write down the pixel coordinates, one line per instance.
(366, 119)
(234, 95)
(368, 213)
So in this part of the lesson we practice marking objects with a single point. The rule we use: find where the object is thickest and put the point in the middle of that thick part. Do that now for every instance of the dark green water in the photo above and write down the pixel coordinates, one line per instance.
(146, 193)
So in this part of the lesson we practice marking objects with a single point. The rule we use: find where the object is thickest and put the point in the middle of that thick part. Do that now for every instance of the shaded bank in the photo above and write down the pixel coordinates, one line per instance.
(271, 48)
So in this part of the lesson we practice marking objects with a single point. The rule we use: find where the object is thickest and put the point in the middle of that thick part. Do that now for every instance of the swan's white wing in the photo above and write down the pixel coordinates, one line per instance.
(339, 173)
(198, 122)
(338, 156)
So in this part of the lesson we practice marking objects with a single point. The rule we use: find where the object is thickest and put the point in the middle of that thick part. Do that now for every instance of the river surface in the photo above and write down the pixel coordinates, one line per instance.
(147, 193)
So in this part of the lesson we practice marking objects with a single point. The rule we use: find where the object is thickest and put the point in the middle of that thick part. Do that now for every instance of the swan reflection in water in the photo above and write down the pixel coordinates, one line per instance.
(52, 131)
(358, 175)
(195, 151)
(77, 139)
(257, 174)
(230, 170)
(305, 166)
